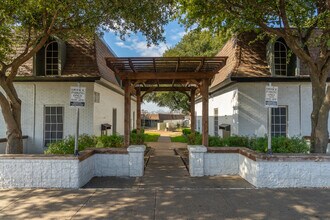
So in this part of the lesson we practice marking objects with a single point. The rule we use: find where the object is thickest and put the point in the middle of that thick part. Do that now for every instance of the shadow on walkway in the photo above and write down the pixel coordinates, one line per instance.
(166, 170)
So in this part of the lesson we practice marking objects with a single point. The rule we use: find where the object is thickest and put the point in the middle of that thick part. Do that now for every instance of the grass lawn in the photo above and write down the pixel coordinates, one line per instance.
(151, 137)
(181, 139)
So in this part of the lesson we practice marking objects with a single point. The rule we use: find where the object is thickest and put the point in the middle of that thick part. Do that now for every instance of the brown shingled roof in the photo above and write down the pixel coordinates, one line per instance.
(83, 58)
(247, 58)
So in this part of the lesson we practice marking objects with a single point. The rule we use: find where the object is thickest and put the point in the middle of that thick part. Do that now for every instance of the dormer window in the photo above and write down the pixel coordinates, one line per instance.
(51, 57)
(281, 60)
(280, 56)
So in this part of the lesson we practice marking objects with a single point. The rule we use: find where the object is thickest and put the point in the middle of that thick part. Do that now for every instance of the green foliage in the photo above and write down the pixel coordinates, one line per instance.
(197, 43)
(66, 146)
(134, 131)
(143, 137)
(303, 24)
(259, 144)
(137, 139)
(194, 139)
(110, 141)
(186, 131)
(181, 139)
(173, 100)
(151, 137)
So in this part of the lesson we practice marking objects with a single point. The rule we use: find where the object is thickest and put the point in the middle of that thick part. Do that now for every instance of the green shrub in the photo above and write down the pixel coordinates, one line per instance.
(216, 142)
(66, 146)
(289, 145)
(134, 131)
(110, 141)
(260, 144)
(194, 139)
(137, 138)
(181, 139)
(151, 137)
(186, 131)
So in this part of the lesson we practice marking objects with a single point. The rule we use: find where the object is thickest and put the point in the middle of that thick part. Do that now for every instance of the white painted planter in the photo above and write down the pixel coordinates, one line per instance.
(49, 171)
(261, 170)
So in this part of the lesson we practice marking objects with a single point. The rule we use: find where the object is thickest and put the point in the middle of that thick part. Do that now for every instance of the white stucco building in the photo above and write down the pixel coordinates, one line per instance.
(237, 93)
(44, 88)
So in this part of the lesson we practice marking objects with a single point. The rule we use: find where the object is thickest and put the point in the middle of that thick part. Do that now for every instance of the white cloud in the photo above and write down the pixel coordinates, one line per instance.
(178, 36)
(140, 46)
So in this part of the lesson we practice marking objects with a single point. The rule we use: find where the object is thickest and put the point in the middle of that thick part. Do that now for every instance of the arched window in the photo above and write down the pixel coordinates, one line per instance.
(51, 58)
(280, 58)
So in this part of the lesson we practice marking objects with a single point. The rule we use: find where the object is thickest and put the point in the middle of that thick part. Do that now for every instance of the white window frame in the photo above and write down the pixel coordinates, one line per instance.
(45, 123)
(280, 124)
(280, 58)
(52, 64)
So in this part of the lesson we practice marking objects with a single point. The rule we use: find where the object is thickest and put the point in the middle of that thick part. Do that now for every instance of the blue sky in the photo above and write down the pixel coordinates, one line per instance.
(135, 45)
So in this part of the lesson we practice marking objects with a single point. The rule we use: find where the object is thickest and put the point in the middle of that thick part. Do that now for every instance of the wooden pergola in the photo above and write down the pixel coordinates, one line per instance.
(142, 75)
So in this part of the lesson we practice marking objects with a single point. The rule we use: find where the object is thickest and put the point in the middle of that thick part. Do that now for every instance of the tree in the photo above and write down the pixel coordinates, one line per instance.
(194, 43)
(28, 25)
(303, 24)
(197, 43)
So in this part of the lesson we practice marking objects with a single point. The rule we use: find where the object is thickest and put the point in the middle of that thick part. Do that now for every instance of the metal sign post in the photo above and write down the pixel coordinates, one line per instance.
(271, 98)
(77, 100)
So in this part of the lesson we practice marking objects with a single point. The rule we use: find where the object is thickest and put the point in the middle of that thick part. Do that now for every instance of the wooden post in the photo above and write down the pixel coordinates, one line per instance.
(138, 110)
(127, 113)
(192, 110)
(205, 114)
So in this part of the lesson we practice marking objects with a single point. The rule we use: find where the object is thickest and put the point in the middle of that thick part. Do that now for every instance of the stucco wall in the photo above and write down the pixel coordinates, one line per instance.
(109, 100)
(226, 101)
(242, 106)
(261, 170)
(35, 96)
(68, 171)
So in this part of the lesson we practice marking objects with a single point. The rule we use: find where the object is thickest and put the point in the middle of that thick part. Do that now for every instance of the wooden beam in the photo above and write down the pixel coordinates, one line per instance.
(205, 112)
(165, 89)
(154, 64)
(192, 110)
(200, 65)
(165, 75)
(150, 89)
(127, 113)
(131, 65)
(177, 65)
(138, 110)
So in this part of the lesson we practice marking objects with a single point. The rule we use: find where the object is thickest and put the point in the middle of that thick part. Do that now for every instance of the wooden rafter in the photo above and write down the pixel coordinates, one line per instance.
(131, 65)
(200, 65)
(165, 89)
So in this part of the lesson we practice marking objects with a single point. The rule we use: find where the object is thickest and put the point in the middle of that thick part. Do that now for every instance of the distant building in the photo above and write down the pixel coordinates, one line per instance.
(151, 120)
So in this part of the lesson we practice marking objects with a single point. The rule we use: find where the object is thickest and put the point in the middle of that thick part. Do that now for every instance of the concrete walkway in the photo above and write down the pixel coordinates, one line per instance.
(166, 192)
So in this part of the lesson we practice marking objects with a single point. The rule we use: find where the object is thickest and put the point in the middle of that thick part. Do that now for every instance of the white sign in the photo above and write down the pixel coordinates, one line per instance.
(271, 96)
(77, 96)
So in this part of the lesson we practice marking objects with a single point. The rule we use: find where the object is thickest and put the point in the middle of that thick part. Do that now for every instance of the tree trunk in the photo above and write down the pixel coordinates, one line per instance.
(319, 118)
(14, 133)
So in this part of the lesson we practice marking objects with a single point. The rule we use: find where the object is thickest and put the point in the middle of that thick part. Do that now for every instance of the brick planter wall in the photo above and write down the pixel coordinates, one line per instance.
(68, 171)
(261, 170)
